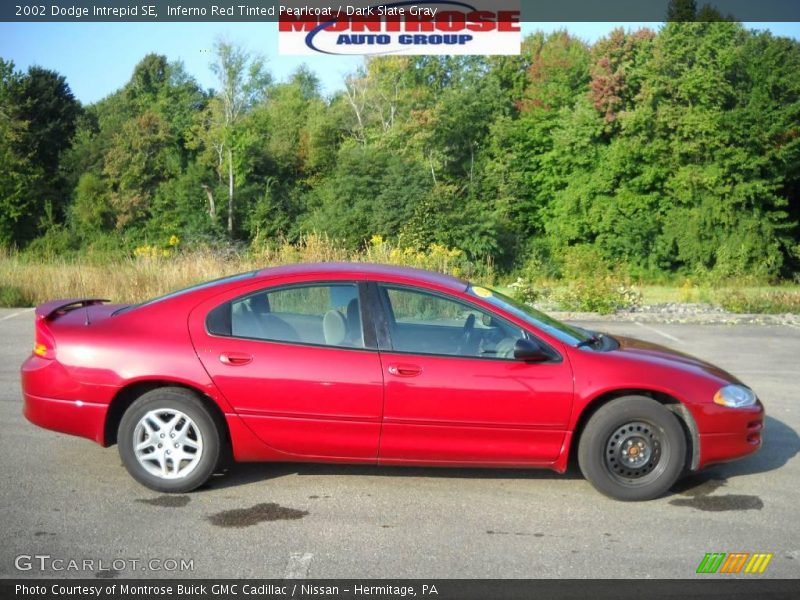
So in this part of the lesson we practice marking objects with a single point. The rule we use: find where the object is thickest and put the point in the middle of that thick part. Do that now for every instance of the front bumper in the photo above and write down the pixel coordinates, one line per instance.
(726, 434)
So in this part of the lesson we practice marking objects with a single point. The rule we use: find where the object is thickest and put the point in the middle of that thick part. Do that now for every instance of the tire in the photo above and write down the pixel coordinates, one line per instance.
(169, 442)
(632, 449)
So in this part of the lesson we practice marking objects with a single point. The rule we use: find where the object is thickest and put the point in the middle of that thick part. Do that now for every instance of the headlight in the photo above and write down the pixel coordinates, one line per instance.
(735, 396)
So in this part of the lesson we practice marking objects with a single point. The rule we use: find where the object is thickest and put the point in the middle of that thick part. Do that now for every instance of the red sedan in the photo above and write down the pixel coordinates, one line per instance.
(375, 364)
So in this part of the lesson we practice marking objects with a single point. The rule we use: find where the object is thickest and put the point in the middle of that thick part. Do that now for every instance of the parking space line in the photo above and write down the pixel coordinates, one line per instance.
(16, 314)
(659, 332)
(298, 565)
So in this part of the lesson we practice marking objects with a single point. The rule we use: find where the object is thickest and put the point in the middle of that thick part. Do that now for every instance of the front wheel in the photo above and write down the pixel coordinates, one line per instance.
(632, 449)
(168, 441)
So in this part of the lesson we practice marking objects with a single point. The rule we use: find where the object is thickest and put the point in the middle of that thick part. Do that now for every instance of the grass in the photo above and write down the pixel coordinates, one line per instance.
(25, 281)
(662, 294)
(130, 279)
(732, 296)
(11, 295)
(773, 301)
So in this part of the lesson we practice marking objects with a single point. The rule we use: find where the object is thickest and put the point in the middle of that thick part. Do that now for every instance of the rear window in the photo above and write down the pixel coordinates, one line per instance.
(194, 288)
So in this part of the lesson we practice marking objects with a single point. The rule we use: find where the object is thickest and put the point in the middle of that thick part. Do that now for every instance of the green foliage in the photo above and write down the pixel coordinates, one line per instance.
(45, 102)
(13, 297)
(37, 121)
(681, 10)
(54, 243)
(676, 152)
(774, 302)
(592, 285)
(435, 257)
(525, 291)
(18, 184)
(371, 191)
(91, 209)
(180, 206)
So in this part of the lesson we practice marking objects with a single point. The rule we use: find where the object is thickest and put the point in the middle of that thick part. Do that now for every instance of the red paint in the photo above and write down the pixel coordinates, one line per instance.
(284, 401)
(475, 410)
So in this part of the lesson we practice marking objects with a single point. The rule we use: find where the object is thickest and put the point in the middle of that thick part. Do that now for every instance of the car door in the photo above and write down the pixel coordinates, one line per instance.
(454, 392)
(295, 364)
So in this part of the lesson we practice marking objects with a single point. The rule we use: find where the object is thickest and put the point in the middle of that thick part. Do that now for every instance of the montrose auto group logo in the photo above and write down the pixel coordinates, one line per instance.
(476, 27)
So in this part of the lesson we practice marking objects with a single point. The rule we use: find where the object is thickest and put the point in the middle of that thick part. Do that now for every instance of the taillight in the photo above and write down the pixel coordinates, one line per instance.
(44, 343)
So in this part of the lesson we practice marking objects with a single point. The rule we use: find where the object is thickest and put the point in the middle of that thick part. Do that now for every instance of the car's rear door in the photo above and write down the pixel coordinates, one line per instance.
(296, 365)
(454, 392)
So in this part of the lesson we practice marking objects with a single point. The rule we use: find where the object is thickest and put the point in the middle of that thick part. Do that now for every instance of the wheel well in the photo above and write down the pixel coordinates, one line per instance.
(671, 403)
(128, 395)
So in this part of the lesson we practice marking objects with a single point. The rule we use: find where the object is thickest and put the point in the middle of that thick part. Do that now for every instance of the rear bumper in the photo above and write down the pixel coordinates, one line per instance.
(74, 417)
(742, 436)
(55, 400)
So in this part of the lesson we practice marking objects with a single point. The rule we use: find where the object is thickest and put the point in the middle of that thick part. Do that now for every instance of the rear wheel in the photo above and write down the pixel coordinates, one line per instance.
(632, 449)
(168, 440)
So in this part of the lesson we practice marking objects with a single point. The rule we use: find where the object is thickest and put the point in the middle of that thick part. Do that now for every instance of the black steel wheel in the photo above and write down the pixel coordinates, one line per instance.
(632, 448)
(633, 451)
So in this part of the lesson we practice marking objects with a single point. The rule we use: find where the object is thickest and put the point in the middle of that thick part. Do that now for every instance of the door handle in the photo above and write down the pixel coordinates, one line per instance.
(234, 359)
(405, 370)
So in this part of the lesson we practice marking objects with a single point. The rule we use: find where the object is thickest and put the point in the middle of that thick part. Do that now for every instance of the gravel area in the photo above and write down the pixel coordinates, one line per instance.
(673, 312)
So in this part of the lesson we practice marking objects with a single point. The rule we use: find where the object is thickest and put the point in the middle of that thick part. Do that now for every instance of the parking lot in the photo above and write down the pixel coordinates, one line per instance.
(70, 499)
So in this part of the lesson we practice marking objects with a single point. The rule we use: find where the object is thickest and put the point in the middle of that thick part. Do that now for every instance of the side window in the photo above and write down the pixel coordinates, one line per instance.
(425, 323)
(325, 315)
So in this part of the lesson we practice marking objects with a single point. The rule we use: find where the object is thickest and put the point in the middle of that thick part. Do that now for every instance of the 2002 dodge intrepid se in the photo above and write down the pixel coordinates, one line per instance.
(375, 364)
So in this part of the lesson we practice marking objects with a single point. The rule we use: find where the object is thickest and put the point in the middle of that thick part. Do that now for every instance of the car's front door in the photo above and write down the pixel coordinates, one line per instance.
(454, 392)
(294, 364)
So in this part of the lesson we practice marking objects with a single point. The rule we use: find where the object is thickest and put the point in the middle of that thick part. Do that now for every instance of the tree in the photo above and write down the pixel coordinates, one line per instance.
(520, 173)
(46, 103)
(616, 72)
(243, 83)
(675, 151)
(20, 176)
(144, 155)
(681, 10)
(92, 212)
(371, 191)
(39, 114)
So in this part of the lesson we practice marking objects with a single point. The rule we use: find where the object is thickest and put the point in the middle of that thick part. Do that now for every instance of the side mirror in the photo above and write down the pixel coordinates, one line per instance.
(530, 351)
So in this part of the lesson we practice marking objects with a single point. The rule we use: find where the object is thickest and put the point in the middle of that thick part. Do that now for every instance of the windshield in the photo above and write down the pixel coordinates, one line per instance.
(561, 331)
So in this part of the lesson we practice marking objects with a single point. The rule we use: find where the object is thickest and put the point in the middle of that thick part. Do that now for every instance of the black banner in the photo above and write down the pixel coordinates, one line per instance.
(532, 11)
(386, 589)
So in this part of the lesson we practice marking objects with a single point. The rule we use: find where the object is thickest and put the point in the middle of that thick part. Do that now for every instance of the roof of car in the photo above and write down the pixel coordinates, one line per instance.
(369, 270)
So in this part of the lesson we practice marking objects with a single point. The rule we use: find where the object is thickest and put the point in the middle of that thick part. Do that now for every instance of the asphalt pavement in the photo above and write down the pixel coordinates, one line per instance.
(70, 500)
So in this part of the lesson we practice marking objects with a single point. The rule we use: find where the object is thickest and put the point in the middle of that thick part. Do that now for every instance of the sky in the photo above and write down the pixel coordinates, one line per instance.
(98, 58)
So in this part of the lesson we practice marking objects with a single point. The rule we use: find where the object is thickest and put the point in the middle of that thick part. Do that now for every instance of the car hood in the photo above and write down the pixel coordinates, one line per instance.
(656, 354)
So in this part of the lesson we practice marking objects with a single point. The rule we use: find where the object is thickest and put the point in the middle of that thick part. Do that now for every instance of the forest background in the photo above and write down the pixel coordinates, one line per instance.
(647, 166)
